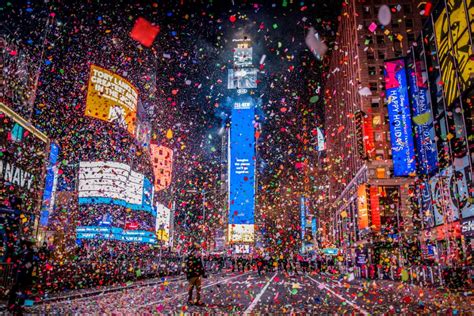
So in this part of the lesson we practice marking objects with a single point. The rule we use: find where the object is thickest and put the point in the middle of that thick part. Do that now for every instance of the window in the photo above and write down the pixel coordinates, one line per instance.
(372, 70)
(409, 23)
(370, 56)
(378, 137)
(380, 39)
(395, 25)
(411, 37)
(374, 104)
(380, 173)
(381, 55)
(376, 120)
(398, 53)
(368, 39)
(381, 70)
(407, 8)
(373, 86)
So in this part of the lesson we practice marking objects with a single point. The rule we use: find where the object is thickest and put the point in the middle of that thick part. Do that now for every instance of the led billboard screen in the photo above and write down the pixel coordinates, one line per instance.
(50, 184)
(111, 98)
(108, 182)
(403, 152)
(115, 233)
(426, 151)
(163, 222)
(242, 172)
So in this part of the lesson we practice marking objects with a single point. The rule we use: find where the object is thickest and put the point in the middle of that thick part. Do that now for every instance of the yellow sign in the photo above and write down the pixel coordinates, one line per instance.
(162, 234)
(454, 50)
(111, 98)
(241, 233)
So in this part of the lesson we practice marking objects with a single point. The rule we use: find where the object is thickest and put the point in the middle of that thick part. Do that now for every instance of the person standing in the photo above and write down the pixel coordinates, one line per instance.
(194, 273)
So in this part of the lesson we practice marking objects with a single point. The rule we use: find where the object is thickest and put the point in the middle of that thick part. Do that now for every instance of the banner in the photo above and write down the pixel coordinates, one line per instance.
(50, 185)
(242, 172)
(108, 182)
(362, 206)
(403, 153)
(426, 151)
(111, 98)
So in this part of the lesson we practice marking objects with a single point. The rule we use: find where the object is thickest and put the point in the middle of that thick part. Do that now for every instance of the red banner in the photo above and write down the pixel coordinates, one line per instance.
(375, 208)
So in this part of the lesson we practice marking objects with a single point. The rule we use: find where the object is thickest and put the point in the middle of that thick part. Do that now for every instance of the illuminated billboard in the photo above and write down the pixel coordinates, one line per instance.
(403, 152)
(108, 182)
(111, 98)
(115, 233)
(454, 47)
(303, 216)
(426, 151)
(162, 162)
(22, 162)
(362, 206)
(163, 222)
(242, 172)
(244, 78)
(50, 184)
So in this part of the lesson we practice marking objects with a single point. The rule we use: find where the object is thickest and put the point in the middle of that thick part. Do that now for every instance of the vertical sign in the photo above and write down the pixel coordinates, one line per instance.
(403, 152)
(303, 216)
(242, 172)
(362, 206)
(426, 152)
(375, 208)
(314, 227)
(50, 185)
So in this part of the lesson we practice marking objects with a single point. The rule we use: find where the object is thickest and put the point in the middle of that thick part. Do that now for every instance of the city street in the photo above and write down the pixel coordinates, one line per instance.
(274, 292)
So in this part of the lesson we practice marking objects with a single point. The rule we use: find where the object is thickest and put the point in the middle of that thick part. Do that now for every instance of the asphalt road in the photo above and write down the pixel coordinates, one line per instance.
(274, 292)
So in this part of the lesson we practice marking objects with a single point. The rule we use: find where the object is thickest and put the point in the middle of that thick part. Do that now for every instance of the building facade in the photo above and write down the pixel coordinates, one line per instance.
(371, 208)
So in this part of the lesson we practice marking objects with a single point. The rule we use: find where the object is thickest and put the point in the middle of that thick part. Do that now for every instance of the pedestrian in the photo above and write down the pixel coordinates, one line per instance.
(23, 281)
(194, 273)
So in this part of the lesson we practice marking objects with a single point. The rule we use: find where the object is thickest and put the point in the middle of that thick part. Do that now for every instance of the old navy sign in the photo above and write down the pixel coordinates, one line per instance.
(403, 153)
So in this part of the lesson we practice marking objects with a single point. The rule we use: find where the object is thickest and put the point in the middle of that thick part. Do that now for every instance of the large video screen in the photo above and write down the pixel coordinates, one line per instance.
(111, 98)
(242, 172)
(108, 182)
(403, 151)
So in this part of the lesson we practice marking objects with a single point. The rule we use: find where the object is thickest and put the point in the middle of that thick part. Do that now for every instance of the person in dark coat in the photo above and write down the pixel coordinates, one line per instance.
(23, 268)
(194, 274)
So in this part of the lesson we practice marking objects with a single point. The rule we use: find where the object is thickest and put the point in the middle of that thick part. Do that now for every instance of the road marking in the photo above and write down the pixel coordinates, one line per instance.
(360, 309)
(185, 293)
(259, 296)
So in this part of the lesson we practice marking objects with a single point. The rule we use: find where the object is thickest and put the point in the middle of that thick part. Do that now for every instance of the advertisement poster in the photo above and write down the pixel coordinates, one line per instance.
(115, 233)
(163, 222)
(403, 151)
(242, 172)
(111, 98)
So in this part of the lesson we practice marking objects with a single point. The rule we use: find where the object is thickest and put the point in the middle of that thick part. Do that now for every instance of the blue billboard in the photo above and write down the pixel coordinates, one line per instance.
(303, 216)
(426, 151)
(403, 151)
(242, 171)
(115, 233)
(50, 185)
(314, 227)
